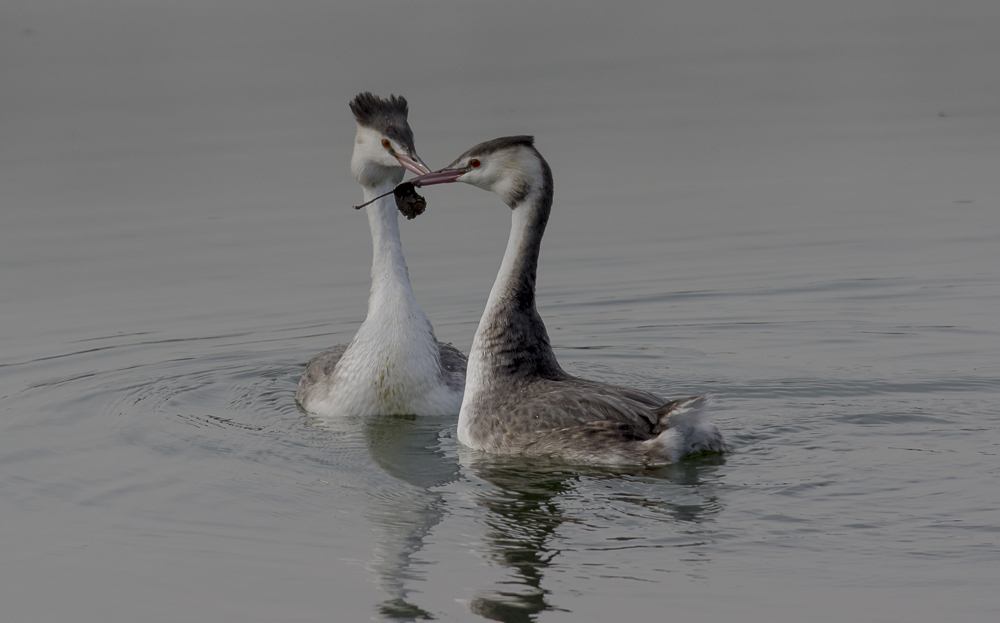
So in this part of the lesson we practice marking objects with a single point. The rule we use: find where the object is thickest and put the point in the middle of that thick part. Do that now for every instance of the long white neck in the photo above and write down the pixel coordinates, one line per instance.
(390, 278)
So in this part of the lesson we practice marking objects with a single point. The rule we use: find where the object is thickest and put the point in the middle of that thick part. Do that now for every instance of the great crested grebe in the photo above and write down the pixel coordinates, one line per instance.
(394, 364)
(518, 400)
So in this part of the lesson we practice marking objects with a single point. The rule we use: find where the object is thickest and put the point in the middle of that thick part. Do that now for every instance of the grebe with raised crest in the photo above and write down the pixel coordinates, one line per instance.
(394, 365)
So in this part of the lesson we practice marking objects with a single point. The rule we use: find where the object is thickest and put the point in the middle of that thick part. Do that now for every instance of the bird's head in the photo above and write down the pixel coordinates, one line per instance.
(383, 147)
(509, 166)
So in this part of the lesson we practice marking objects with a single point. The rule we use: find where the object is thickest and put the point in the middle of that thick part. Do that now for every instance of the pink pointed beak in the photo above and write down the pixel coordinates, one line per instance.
(412, 164)
(445, 176)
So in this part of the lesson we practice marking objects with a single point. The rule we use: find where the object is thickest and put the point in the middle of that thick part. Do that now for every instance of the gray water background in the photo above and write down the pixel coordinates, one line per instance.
(792, 205)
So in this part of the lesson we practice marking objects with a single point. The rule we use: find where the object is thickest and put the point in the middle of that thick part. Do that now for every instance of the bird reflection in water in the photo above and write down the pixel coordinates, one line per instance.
(527, 501)
(526, 508)
(408, 448)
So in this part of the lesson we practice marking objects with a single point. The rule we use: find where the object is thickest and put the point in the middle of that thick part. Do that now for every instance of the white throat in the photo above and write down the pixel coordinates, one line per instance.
(390, 277)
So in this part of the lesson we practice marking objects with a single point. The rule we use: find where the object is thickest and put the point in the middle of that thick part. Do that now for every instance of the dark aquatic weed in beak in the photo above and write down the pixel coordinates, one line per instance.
(408, 202)
(406, 190)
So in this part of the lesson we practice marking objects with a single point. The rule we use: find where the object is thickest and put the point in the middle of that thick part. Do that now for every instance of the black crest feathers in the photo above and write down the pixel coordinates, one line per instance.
(375, 112)
(387, 116)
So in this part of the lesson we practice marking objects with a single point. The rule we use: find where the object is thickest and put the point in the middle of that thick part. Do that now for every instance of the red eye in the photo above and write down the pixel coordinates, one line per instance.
(474, 163)
(386, 143)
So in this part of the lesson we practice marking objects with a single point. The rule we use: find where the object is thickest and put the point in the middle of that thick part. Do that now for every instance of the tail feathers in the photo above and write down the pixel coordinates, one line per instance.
(686, 431)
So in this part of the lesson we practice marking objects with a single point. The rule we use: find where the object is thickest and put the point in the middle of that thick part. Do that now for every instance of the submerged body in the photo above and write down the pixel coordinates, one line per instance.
(394, 364)
(518, 400)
